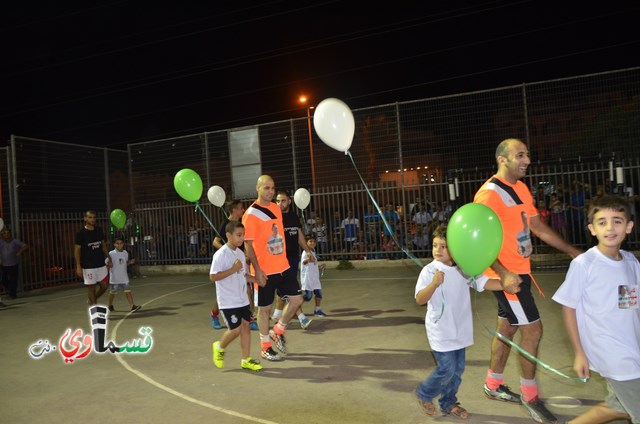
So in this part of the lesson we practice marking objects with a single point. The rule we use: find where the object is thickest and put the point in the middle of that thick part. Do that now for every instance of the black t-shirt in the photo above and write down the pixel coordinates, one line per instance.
(90, 242)
(292, 225)
(223, 233)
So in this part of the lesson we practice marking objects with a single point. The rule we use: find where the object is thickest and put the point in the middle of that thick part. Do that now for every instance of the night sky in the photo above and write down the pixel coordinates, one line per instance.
(107, 73)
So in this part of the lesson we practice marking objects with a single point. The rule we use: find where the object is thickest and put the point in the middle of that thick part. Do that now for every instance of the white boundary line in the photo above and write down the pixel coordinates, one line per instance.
(151, 381)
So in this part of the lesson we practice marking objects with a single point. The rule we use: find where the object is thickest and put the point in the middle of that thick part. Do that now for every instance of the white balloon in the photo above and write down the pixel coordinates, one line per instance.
(216, 196)
(333, 121)
(1, 224)
(302, 198)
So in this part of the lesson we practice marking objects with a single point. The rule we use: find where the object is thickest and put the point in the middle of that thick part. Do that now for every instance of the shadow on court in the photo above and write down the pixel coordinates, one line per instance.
(360, 364)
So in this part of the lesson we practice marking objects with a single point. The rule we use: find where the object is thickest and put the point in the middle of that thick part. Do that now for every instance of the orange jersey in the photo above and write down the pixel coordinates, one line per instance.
(263, 226)
(513, 203)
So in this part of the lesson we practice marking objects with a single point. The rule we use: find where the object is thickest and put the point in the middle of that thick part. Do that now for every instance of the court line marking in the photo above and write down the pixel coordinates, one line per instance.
(167, 389)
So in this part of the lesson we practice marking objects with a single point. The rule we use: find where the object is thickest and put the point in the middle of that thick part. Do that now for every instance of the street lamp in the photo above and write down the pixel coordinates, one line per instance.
(303, 100)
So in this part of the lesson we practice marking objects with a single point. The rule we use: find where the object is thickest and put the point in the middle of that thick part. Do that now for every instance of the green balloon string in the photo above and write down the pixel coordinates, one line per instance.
(473, 283)
(198, 208)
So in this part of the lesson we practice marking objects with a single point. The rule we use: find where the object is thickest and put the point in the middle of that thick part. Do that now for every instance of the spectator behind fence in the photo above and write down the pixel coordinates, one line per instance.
(372, 232)
(577, 208)
(336, 237)
(319, 229)
(558, 222)
(349, 229)
(11, 250)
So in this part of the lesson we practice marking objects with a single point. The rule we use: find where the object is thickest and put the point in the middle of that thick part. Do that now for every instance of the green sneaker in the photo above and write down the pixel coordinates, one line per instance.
(218, 355)
(251, 364)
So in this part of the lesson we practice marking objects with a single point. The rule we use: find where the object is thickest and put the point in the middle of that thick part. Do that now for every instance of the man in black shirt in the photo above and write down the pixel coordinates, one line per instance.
(92, 257)
(294, 237)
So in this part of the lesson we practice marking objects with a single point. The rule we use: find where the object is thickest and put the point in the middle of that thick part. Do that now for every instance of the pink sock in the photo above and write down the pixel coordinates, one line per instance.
(493, 380)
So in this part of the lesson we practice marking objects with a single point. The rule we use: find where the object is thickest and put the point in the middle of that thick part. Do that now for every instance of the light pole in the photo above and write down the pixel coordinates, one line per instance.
(304, 100)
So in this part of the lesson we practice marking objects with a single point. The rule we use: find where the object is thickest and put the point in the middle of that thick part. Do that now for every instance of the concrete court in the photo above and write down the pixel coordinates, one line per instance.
(360, 364)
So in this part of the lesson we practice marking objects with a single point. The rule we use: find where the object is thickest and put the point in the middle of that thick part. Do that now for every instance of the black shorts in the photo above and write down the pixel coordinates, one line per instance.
(286, 284)
(233, 317)
(519, 308)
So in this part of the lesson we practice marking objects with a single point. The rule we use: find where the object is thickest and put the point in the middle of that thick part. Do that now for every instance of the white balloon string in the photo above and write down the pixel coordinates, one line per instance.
(386, 224)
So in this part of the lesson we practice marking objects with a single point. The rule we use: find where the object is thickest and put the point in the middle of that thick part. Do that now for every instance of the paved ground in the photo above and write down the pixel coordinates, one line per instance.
(358, 365)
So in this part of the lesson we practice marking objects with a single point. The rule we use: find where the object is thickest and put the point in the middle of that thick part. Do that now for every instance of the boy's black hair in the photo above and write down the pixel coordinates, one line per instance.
(231, 205)
(118, 238)
(232, 225)
(311, 236)
(615, 203)
(440, 232)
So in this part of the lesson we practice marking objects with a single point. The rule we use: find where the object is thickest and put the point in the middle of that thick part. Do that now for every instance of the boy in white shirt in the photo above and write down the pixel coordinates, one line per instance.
(449, 326)
(229, 272)
(599, 299)
(118, 277)
(310, 275)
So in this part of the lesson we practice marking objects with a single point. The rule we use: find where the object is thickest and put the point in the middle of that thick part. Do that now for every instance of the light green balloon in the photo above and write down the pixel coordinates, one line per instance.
(118, 218)
(474, 238)
(188, 184)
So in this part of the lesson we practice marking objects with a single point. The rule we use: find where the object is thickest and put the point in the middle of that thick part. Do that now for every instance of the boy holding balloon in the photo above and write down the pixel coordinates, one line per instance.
(444, 289)
(118, 277)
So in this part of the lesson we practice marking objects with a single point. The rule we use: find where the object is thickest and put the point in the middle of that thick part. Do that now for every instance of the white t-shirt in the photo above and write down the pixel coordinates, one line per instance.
(454, 330)
(231, 292)
(118, 272)
(422, 218)
(309, 274)
(608, 322)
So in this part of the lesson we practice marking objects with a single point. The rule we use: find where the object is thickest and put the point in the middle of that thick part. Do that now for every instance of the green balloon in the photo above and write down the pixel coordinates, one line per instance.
(474, 238)
(188, 184)
(118, 218)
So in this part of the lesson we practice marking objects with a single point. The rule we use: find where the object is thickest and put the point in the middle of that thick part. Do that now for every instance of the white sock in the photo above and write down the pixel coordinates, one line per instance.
(301, 317)
(277, 314)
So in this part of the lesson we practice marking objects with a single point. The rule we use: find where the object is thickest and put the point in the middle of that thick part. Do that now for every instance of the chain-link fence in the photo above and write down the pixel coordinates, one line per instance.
(580, 132)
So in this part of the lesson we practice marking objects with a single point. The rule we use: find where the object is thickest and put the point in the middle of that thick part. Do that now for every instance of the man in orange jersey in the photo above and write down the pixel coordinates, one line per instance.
(512, 201)
(266, 248)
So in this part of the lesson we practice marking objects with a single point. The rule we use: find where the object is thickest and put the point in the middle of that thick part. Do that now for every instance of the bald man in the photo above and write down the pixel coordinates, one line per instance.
(265, 246)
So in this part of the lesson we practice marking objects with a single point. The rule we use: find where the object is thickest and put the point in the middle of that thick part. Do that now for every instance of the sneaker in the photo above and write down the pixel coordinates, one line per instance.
(270, 354)
(218, 355)
(215, 322)
(135, 308)
(251, 364)
(304, 323)
(111, 308)
(253, 326)
(319, 313)
(539, 412)
(502, 393)
(279, 340)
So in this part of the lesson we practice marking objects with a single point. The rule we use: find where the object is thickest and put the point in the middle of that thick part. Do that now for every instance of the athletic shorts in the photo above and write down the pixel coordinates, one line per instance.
(286, 284)
(233, 317)
(93, 276)
(519, 308)
(115, 288)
